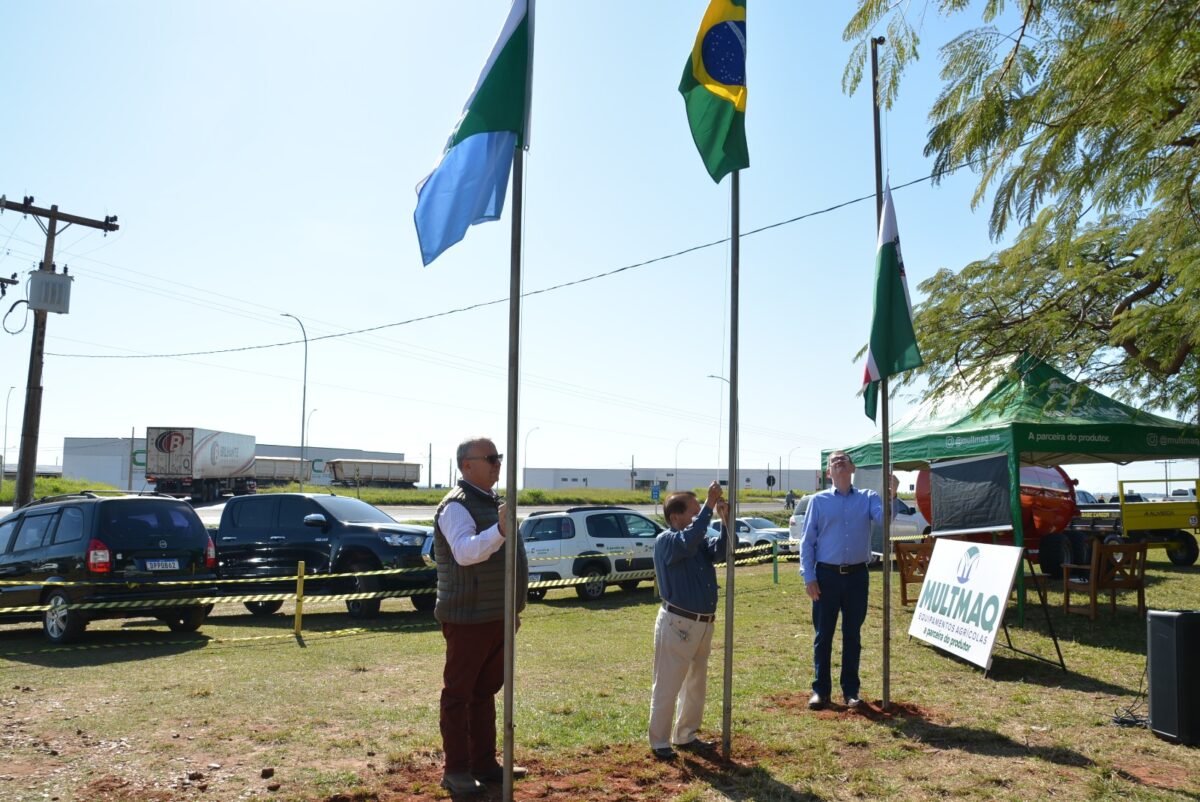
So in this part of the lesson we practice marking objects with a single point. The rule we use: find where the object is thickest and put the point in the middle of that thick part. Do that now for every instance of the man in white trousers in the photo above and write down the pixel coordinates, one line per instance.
(684, 556)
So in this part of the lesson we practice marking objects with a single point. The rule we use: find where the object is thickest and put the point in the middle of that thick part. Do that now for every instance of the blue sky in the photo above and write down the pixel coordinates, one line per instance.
(262, 159)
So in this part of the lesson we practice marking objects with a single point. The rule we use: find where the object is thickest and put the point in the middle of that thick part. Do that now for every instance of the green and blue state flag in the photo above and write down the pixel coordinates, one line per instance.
(469, 183)
(714, 88)
(893, 346)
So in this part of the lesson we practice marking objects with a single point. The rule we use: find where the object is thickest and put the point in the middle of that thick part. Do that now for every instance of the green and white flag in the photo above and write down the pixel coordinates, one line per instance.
(893, 346)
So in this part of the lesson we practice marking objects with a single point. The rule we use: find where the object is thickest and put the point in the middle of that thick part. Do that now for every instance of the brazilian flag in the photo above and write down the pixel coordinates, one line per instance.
(714, 88)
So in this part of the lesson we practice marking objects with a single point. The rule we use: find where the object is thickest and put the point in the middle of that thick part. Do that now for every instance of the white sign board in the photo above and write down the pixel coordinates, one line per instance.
(963, 598)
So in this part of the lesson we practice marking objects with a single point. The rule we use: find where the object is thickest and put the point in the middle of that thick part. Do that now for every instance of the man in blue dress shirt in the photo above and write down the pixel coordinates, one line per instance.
(684, 556)
(835, 548)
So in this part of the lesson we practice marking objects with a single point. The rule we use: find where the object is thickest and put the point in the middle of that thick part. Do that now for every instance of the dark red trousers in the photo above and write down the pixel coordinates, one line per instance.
(474, 674)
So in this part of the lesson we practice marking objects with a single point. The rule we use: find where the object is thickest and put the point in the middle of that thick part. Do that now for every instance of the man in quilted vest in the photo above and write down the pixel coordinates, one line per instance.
(470, 536)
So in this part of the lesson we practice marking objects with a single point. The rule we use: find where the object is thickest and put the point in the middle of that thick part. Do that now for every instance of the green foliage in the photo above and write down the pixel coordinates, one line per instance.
(51, 487)
(1083, 123)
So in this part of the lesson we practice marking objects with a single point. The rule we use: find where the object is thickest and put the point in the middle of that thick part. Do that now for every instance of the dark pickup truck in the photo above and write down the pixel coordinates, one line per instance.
(267, 536)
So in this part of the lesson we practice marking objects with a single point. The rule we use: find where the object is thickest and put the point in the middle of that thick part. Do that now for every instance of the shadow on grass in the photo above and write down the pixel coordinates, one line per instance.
(740, 782)
(98, 647)
(613, 599)
(1008, 666)
(315, 622)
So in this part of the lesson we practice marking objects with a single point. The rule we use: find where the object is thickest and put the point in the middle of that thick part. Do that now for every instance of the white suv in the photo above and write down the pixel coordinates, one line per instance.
(588, 542)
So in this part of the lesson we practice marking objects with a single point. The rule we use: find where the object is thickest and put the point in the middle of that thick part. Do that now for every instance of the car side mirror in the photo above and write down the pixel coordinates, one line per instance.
(314, 519)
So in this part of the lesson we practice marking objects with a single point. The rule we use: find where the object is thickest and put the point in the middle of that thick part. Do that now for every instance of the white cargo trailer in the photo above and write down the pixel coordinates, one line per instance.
(204, 464)
(281, 470)
(377, 472)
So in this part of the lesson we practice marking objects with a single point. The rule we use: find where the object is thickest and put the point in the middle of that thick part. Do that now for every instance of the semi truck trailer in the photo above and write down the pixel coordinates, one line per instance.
(203, 464)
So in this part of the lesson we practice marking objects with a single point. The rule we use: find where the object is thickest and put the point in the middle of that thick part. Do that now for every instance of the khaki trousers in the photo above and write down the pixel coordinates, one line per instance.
(681, 648)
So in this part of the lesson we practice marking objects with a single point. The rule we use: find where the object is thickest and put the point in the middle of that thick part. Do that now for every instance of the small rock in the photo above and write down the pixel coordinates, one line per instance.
(273, 787)
(195, 775)
(370, 754)
(214, 765)
(203, 786)
(175, 735)
(267, 773)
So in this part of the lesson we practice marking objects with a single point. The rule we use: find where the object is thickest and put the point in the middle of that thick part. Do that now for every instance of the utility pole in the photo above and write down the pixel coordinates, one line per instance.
(27, 461)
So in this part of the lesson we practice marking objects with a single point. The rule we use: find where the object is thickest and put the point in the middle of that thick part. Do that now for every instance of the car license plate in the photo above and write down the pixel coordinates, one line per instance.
(162, 565)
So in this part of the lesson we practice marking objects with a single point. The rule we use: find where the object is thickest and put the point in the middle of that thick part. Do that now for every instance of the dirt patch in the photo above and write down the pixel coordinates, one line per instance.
(868, 710)
(1157, 773)
(622, 773)
(115, 789)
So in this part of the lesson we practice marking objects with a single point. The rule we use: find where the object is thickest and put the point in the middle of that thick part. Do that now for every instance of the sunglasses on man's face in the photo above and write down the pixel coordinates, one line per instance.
(493, 459)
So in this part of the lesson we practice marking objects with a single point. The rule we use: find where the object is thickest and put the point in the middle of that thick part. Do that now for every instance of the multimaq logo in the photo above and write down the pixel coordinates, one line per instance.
(169, 441)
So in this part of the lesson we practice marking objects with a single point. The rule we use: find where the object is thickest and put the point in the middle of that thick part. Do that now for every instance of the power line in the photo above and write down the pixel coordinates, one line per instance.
(531, 293)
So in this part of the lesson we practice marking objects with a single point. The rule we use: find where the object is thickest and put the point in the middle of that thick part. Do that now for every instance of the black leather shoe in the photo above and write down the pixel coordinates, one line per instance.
(460, 783)
(853, 702)
(664, 753)
(495, 774)
(698, 745)
(817, 702)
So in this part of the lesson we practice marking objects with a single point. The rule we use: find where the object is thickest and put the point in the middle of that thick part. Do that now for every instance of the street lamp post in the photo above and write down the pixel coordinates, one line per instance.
(525, 457)
(4, 453)
(303, 393)
(677, 445)
(790, 467)
(307, 437)
(719, 378)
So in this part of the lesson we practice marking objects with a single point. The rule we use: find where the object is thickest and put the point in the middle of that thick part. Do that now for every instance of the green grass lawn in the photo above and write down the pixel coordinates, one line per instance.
(350, 712)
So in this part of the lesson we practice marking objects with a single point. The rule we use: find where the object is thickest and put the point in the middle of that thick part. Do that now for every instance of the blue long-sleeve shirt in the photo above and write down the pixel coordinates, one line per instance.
(684, 562)
(837, 529)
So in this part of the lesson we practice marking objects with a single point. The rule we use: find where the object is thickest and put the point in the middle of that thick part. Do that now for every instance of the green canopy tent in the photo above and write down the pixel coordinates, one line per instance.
(1035, 415)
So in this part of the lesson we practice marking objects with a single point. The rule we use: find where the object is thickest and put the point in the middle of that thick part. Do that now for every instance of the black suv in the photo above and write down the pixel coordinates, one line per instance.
(117, 546)
(267, 536)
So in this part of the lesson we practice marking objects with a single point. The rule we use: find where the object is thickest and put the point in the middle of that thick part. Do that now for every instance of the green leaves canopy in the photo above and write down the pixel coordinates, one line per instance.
(1082, 121)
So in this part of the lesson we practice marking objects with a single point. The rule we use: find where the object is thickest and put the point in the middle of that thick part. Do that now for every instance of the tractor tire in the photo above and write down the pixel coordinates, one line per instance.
(1185, 551)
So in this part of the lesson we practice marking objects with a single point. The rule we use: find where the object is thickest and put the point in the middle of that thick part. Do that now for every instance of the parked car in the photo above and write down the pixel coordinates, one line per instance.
(908, 521)
(117, 547)
(588, 542)
(1084, 497)
(755, 532)
(267, 536)
(796, 526)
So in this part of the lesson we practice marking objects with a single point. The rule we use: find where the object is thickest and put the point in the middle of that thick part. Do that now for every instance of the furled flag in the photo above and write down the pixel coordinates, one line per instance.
(893, 346)
(469, 182)
(714, 88)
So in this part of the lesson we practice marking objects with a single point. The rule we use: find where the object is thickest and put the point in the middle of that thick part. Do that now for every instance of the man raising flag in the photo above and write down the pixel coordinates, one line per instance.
(893, 345)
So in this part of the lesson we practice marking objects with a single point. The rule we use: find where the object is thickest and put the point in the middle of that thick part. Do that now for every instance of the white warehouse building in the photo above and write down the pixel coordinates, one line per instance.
(800, 479)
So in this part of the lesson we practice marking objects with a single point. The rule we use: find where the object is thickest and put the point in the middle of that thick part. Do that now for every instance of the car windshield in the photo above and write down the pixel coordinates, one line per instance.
(760, 523)
(1084, 497)
(351, 510)
(156, 517)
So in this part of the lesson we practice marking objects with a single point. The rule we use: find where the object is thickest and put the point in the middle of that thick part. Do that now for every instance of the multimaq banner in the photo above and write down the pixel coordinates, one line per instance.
(963, 598)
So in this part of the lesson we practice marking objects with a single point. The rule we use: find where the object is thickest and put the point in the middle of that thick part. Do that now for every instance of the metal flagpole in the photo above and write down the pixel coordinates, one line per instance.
(883, 407)
(730, 527)
(510, 484)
